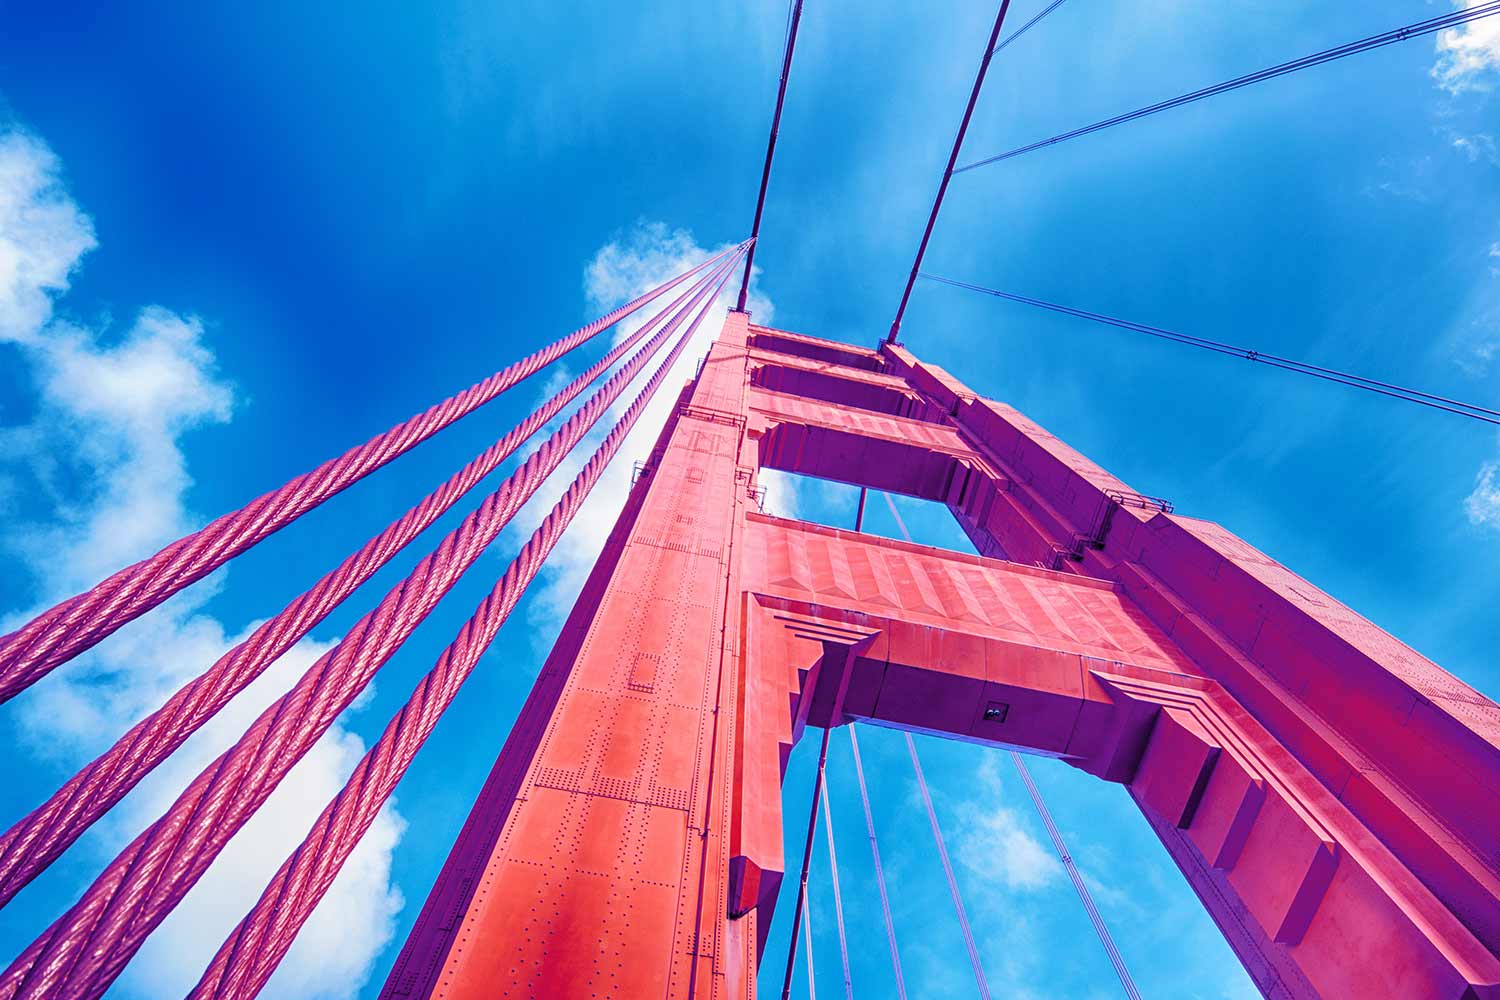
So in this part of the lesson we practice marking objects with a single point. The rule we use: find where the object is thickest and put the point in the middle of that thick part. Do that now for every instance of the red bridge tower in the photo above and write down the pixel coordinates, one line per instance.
(1330, 794)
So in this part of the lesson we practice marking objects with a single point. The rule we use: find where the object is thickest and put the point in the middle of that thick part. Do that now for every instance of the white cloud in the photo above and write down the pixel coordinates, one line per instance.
(42, 235)
(1483, 505)
(643, 258)
(993, 843)
(103, 454)
(1477, 147)
(1468, 56)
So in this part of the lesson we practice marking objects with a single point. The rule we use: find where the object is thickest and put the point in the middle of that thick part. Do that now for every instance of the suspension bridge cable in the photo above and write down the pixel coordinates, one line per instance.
(937, 835)
(812, 988)
(82, 953)
(798, 914)
(68, 628)
(1390, 389)
(39, 838)
(885, 903)
(1420, 28)
(765, 174)
(838, 897)
(1027, 26)
(246, 960)
(958, 142)
(1115, 958)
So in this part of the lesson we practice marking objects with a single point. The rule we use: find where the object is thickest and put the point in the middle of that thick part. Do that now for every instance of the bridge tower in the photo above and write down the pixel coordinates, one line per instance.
(1330, 794)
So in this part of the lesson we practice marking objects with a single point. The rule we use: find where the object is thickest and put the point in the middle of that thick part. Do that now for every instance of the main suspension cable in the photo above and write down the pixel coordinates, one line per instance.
(40, 837)
(1394, 391)
(1420, 28)
(67, 629)
(958, 142)
(765, 174)
(82, 953)
(246, 960)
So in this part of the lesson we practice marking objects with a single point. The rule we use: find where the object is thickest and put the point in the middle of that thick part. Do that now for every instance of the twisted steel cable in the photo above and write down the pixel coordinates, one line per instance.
(39, 838)
(251, 953)
(68, 628)
(81, 954)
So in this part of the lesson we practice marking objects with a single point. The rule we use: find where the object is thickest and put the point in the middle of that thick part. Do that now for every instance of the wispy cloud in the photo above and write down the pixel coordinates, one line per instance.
(102, 466)
(644, 257)
(1469, 56)
(1483, 505)
(993, 843)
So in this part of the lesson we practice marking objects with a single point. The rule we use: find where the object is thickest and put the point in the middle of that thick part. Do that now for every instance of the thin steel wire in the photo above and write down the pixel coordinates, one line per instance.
(885, 902)
(1115, 958)
(937, 836)
(1462, 409)
(838, 896)
(1420, 28)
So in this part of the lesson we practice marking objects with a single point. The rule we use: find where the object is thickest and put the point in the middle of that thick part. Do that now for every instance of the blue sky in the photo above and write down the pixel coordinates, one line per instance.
(233, 242)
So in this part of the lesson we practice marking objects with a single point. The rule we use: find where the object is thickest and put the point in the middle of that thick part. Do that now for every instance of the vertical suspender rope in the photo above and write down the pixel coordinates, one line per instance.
(958, 903)
(885, 902)
(1115, 958)
(812, 988)
(937, 832)
(765, 174)
(838, 897)
(247, 959)
(798, 914)
(36, 840)
(958, 143)
(81, 954)
(68, 628)
(1095, 918)
(859, 512)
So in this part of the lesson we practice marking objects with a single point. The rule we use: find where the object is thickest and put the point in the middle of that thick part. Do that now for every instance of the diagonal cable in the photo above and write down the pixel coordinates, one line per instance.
(1390, 389)
(245, 962)
(885, 902)
(68, 628)
(1420, 28)
(40, 837)
(81, 954)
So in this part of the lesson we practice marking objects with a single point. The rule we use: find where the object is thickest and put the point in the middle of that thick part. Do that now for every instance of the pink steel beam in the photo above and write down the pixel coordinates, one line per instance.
(68, 628)
(958, 143)
(36, 840)
(246, 960)
(82, 953)
(765, 174)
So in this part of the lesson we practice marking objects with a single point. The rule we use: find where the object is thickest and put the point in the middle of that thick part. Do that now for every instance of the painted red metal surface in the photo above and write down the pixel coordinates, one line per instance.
(65, 630)
(82, 953)
(1328, 792)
